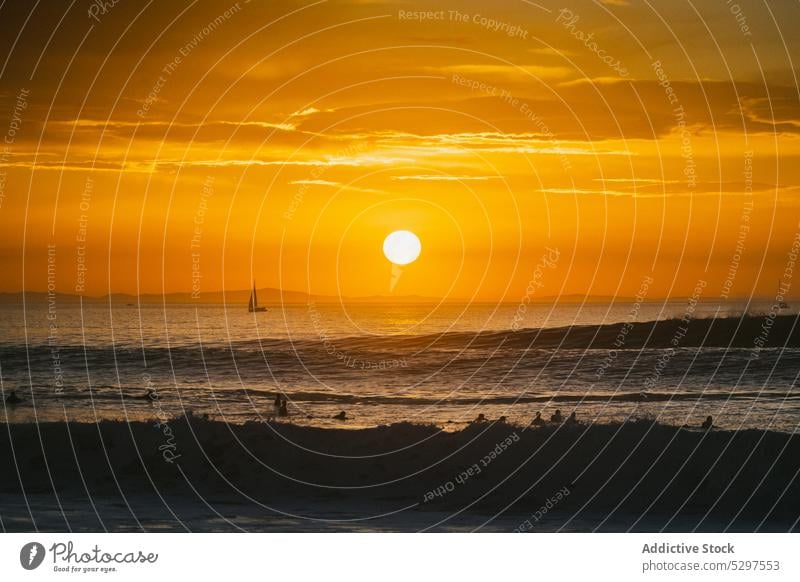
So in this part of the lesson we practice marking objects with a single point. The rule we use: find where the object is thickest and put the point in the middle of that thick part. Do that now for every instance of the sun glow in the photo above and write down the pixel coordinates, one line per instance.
(402, 247)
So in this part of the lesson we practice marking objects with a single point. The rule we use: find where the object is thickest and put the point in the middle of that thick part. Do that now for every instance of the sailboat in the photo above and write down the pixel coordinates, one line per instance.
(781, 304)
(252, 306)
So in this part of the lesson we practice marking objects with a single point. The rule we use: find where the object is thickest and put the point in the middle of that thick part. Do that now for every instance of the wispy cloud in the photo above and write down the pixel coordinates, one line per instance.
(339, 185)
(510, 71)
(444, 178)
(310, 111)
(488, 142)
(117, 123)
(678, 186)
(153, 165)
(315, 182)
(679, 189)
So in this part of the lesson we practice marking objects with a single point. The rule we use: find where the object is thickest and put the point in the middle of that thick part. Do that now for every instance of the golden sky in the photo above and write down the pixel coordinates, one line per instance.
(161, 146)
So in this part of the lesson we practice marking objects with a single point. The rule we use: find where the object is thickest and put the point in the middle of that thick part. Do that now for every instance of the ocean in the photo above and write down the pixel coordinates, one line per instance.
(419, 363)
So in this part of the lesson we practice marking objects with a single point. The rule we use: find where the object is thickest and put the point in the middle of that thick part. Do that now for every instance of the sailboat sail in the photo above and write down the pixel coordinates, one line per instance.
(252, 305)
(782, 303)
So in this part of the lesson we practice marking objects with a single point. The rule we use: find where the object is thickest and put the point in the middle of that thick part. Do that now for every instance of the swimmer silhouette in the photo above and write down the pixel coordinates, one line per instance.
(538, 420)
(12, 398)
(708, 424)
(557, 417)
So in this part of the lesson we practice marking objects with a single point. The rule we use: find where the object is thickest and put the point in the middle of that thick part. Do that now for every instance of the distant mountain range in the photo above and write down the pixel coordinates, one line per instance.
(266, 295)
(269, 295)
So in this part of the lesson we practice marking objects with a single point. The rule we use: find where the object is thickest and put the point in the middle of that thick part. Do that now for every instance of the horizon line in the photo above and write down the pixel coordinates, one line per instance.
(191, 297)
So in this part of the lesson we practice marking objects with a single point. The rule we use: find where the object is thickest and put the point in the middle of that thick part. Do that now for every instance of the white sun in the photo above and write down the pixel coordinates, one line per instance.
(402, 247)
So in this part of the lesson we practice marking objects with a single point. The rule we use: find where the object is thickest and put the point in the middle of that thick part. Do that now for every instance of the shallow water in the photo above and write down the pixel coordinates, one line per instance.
(44, 513)
(380, 363)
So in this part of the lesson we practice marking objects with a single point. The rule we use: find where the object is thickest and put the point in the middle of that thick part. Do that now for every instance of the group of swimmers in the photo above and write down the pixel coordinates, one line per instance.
(555, 418)
(572, 419)
(281, 404)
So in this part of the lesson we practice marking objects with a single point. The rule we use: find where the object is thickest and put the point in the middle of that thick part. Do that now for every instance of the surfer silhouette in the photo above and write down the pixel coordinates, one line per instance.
(557, 417)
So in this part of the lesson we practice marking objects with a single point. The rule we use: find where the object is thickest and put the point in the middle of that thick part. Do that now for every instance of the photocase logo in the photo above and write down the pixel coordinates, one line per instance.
(31, 555)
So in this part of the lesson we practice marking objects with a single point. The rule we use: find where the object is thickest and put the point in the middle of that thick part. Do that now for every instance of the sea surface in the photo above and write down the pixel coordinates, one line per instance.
(383, 363)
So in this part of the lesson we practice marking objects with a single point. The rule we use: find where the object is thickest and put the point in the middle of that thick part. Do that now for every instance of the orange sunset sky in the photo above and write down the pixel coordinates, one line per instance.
(161, 145)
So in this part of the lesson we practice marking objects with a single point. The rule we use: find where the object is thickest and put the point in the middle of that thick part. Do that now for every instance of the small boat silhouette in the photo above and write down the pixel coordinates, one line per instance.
(781, 304)
(252, 306)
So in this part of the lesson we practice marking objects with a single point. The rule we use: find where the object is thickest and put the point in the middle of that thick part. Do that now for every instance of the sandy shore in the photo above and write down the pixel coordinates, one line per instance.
(639, 475)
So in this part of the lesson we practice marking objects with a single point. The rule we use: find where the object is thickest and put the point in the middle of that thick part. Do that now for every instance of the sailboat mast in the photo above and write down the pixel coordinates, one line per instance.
(252, 306)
